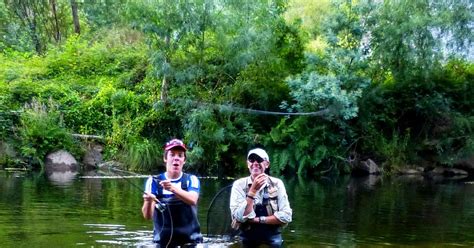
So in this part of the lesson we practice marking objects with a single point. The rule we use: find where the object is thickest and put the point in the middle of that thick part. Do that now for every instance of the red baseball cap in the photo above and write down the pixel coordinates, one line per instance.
(175, 143)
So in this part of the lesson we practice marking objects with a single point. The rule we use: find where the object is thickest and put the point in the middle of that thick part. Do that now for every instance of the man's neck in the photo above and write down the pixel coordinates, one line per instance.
(173, 175)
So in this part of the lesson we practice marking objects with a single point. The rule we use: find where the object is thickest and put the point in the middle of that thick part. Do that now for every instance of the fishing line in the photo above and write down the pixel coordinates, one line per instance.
(158, 204)
(232, 108)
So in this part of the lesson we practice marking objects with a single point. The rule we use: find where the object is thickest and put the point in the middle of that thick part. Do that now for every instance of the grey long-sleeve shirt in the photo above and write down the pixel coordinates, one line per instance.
(238, 200)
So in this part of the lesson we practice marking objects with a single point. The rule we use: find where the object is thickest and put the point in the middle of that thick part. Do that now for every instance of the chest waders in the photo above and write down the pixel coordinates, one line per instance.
(178, 221)
(253, 234)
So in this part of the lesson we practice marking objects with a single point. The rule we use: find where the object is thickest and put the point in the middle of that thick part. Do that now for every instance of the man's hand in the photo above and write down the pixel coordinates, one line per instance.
(149, 197)
(257, 184)
(167, 185)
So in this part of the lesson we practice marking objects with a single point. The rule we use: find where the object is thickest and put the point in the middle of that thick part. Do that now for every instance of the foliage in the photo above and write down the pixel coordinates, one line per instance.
(99, 14)
(394, 149)
(143, 155)
(219, 138)
(410, 38)
(332, 82)
(306, 145)
(311, 14)
(78, 57)
(393, 79)
(41, 132)
(432, 113)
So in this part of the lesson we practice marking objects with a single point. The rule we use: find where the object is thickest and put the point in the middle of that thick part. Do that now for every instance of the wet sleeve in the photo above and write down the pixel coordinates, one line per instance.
(238, 203)
(284, 213)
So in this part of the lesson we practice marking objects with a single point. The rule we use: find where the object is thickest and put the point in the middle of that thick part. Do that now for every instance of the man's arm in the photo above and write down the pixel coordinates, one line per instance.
(284, 213)
(148, 206)
(239, 203)
(188, 197)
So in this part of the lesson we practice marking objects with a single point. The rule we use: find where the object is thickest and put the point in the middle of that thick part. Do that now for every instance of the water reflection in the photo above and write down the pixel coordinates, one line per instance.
(62, 178)
(96, 210)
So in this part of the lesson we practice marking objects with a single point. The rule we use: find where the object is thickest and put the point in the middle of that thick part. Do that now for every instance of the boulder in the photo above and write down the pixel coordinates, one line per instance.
(61, 161)
(93, 156)
(466, 164)
(367, 167)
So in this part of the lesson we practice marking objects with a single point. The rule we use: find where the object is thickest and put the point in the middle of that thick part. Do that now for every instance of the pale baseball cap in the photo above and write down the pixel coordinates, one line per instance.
(259, 152)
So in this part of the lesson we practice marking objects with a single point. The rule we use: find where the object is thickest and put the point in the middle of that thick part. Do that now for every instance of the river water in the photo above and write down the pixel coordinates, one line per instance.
(66, 210)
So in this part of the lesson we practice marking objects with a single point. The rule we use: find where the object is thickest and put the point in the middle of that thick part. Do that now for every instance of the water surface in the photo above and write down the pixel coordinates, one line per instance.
(90, 211)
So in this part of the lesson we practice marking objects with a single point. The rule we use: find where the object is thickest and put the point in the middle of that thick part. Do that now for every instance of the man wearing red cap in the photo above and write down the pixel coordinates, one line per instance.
(259, 204)
(171, 200)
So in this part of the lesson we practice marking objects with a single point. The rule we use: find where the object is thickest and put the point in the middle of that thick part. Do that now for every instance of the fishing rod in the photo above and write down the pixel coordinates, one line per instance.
(218, 212)
(219, 206)
(158, 204)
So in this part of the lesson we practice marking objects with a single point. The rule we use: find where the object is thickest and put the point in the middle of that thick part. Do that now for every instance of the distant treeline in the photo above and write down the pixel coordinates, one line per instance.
(313, 82)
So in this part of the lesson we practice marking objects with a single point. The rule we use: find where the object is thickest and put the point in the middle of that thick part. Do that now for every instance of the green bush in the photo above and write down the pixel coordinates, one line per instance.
(41, 132)
(83, 58)
(143, 155)
(420, 119)
(307, 145)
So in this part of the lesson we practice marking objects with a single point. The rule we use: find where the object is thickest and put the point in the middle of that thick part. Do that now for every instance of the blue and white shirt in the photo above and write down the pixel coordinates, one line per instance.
(151, 185)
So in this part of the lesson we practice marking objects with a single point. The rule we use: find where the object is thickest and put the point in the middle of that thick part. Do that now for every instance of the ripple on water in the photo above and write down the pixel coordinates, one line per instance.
(114, 234)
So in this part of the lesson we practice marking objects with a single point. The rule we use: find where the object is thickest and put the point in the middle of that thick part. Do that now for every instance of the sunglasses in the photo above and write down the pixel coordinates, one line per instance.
(253, 159)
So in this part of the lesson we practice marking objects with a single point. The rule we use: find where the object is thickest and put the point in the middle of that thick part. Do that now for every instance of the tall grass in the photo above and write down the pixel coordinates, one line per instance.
(394, 150)
(143, 155)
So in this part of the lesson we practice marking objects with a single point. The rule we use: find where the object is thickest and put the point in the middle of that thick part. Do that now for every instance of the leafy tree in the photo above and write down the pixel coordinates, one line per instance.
(408, 44)
(234, 52)
(170, 25)
(43, 21)
(332, 82)
(410, 38)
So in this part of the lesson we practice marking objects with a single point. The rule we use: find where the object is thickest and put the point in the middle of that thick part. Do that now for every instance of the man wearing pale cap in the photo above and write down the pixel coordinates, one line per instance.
(259, 204)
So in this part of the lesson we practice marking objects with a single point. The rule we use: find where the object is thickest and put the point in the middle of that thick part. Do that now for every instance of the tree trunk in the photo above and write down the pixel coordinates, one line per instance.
(75, 17)
(164, 82)
(164, 89)
(35, 38)
(30, 17)
(57, 34)
(24, 11)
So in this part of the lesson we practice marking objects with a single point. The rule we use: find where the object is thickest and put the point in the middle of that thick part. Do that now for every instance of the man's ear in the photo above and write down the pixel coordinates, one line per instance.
(267, 164)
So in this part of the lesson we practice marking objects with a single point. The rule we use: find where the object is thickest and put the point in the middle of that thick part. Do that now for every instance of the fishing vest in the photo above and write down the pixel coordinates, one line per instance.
(270, 198)
(269, 205)
(178, 221)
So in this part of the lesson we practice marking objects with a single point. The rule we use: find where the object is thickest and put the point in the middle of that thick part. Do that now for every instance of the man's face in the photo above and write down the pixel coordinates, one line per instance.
(175, 159)
(256, 165)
